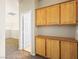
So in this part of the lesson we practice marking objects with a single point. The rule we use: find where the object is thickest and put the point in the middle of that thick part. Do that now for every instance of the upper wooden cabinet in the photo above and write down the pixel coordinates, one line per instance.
(59, 14)
(41, 16)
(68, 50)
(40, 46)
(69, 12)
(53, 15)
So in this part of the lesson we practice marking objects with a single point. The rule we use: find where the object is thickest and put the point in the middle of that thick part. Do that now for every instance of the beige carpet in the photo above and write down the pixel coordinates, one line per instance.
(19, 55)
(11, 46)
(12, 51)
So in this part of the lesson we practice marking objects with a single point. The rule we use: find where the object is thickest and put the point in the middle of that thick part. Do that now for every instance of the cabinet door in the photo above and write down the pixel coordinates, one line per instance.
(48, 48)
(40, 46)
(53, 15)
(52, 49)
(41, 16)
(69, 13)
(68, 50)
(55, 49)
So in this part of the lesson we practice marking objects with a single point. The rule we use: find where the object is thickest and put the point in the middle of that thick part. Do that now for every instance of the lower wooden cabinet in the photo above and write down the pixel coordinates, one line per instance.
(40, 46)
(56, 48)
(52, 49)
(68, 50)
(48, 48)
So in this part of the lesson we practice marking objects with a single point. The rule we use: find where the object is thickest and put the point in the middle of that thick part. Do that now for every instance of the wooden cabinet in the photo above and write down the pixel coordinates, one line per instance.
(53, 15)
(68, 50)
(63, 13)
(48, 48)
(52, 49)
(69, 12)
(56, 48)
(41, 16)
(40, 46)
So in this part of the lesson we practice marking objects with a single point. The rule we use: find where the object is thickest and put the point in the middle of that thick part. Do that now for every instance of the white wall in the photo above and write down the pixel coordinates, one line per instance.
(12, 34)
(8, 34)
(27, 25)
(36, 3)
(27, 31)
(44, 3)
(62, 31)
(2, 29)
(12, 21)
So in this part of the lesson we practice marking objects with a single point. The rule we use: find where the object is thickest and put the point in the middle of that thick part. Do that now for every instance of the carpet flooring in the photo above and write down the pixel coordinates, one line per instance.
(22, 55)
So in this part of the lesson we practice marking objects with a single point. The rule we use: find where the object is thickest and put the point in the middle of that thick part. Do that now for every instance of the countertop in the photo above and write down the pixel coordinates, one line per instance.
(58, 38)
